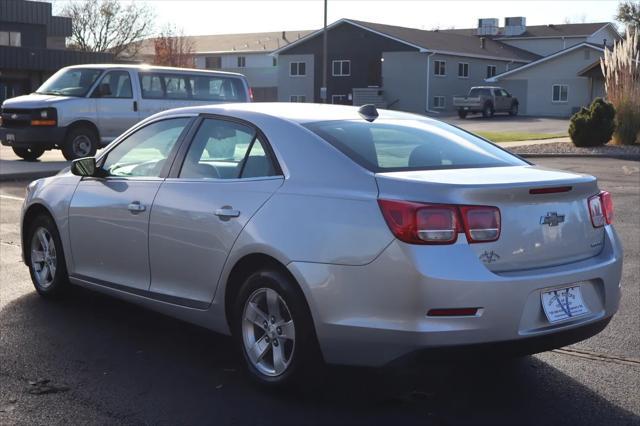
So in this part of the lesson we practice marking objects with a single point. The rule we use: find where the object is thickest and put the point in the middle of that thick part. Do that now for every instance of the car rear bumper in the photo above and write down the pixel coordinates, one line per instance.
(27, 137)
(375, 314)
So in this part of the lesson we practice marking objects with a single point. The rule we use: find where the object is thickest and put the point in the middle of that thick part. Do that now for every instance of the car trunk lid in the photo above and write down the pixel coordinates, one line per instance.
(545, 219)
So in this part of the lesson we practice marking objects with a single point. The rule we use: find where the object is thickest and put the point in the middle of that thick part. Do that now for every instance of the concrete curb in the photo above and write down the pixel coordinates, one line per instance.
(630, 157)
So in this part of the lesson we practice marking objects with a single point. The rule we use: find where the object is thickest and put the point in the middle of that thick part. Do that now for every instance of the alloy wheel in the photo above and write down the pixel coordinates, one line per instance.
(43, 257)
(268, 332)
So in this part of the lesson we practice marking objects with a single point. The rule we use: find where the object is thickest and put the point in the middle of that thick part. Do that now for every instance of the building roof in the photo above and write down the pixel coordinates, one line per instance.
(544, 31)
(545, 59)
(222, 43)
(434, 41)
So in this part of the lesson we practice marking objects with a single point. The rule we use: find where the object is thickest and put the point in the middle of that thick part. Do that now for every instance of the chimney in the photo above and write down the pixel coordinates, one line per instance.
(284, 36)
(604, 43)
(482, 42)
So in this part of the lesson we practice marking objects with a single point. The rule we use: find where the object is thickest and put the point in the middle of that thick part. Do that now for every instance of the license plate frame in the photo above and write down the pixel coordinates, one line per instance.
(563, 304)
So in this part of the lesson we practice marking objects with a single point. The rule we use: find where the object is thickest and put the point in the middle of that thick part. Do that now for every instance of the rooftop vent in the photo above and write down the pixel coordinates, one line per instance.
(487, 26)
(514, 26)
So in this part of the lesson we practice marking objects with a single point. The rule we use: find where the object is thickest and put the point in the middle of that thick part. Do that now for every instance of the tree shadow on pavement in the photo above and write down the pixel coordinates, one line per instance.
(141, 367)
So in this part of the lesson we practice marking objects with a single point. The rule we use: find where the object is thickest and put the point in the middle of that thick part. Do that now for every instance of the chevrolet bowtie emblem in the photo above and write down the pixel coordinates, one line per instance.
(552, 219)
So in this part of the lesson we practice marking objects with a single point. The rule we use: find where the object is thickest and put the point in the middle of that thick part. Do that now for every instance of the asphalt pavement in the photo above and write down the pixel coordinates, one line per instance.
(91, 359)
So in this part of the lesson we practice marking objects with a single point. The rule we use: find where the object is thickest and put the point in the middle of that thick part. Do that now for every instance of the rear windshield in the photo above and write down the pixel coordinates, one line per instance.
(474, 93)
(398, 145)
(192, 87)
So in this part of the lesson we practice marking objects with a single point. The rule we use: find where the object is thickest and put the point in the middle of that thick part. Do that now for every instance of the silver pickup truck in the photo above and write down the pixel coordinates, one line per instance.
(486, 100)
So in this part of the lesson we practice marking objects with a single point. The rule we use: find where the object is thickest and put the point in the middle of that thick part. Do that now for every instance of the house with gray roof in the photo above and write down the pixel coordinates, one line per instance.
(420, 71)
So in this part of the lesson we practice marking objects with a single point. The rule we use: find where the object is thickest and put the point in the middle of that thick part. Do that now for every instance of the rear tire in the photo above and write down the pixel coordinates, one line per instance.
(462, 114)
(487, 111)
(273, 329)
(45, 258)
(28, 154)
(81, 141)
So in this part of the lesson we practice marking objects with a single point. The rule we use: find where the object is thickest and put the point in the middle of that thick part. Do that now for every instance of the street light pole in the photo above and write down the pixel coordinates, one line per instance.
(323, 89)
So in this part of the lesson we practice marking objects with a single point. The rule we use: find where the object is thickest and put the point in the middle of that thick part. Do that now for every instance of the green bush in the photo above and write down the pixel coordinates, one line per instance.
(593, 126)
(627, 123)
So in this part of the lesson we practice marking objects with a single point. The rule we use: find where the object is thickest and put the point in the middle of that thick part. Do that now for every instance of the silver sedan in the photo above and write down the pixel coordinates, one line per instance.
(318, 233)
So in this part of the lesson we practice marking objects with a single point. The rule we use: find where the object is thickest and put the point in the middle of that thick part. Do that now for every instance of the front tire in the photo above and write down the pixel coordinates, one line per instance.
(514, 110)
(273, 329)
(28, 154)
(45, 258)
(80, 142)
(462, 114)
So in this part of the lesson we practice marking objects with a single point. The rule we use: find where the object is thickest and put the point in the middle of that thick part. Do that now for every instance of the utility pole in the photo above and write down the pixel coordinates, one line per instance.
(323, 89)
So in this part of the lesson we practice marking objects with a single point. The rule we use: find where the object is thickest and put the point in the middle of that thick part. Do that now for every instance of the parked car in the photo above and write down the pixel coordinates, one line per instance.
(324, 232)
(82, 108)
(486, 100)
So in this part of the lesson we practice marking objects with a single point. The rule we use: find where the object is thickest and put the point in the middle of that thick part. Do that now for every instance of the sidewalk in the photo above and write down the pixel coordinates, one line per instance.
(13, 167)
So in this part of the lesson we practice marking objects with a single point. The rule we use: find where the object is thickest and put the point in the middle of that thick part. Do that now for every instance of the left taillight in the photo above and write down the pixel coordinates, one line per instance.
(601, 209)
(418, 223)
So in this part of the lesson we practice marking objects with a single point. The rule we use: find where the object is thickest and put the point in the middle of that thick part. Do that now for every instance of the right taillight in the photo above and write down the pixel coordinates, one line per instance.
(601, 209)
(418, 223)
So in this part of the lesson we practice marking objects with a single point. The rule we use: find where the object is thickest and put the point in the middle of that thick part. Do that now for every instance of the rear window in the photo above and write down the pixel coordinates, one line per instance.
(398, 145)
(474, 93)
(192, 87)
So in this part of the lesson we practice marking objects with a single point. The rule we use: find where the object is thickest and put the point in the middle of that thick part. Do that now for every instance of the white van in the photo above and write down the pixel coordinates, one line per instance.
(82, 108)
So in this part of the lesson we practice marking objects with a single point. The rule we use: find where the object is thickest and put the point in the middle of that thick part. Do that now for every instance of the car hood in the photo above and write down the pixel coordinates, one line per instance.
(34, 100)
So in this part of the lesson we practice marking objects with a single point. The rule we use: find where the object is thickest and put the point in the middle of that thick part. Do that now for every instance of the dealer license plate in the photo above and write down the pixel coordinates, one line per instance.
(564, 303)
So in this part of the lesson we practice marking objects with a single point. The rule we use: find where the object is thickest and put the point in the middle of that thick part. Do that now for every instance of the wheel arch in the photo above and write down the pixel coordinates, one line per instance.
(244, 267)
(33, 211)
(83, 123)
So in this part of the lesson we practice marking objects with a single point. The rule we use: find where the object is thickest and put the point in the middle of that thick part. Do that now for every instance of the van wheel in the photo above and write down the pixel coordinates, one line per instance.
(462, 114)
(487, 111)
(80, 142)
(45, 257)
(273, 329)
(28, 154)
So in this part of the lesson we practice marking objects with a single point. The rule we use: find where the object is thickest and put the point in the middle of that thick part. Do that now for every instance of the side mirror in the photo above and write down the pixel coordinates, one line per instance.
(84, 167)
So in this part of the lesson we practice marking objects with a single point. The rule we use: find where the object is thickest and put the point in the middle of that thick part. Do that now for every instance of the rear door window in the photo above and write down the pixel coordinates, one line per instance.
(226, 150)
(397, 145)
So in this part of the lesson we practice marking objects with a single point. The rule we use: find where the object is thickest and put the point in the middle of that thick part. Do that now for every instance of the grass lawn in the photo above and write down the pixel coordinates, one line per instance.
(518, 136)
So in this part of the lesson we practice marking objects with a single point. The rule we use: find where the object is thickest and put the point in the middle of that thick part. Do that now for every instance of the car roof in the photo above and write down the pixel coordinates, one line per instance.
(146, 67)
(290, 111)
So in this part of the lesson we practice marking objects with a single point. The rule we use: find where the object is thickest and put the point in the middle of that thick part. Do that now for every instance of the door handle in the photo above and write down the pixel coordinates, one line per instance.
(136, 207)
(227, 212)
(135, 106)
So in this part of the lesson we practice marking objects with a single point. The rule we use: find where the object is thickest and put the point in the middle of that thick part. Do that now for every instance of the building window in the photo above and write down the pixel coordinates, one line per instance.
(341, 68)
(438, 102)
(242, 61)
(439, 68)
(339, 99)
(297, 69)
(10, 38)
(491, 70)
(463, 70)
(297, 98)
(274, 61)
(560, 93)
(213, 62)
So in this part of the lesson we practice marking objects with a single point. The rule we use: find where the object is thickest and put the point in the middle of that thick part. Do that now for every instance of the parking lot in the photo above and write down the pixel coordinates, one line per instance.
(93, 359)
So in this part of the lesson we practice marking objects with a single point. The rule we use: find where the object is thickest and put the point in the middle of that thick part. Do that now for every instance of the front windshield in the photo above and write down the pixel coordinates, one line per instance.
(70, 82)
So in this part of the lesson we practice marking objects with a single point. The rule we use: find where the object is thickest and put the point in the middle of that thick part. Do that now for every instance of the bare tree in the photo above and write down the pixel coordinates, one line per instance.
(173, 48)
(108, 26)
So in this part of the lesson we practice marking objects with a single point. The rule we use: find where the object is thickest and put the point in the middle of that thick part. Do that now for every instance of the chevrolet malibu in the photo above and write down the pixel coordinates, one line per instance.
(319, 233)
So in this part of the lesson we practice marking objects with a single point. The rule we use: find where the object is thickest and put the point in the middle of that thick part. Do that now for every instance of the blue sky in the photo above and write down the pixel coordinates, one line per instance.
(238, 16)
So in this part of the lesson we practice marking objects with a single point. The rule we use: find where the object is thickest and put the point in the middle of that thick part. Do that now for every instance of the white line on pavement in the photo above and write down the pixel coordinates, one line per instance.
(11, 197)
